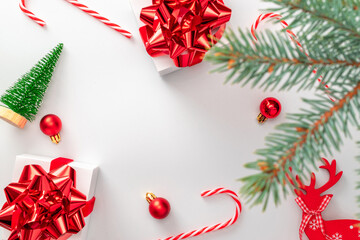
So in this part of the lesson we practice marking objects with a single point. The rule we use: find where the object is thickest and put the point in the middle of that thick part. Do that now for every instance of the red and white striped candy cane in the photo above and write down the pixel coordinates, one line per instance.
(100, 18)
(218, 226)
(30, 14)
(83, 8)
(292, 36)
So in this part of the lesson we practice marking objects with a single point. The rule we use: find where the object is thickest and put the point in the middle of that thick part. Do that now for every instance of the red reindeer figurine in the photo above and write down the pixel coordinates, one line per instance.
(313, 204)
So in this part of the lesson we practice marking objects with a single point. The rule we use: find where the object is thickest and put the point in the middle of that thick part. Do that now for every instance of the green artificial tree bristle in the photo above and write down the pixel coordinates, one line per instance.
(26, 95)
(330, 34)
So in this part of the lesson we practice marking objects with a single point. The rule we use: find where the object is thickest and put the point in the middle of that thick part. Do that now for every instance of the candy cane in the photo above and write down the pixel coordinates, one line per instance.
(218, 226)
(293, 38)
(100, 18)
(83, 8)
(30, 14)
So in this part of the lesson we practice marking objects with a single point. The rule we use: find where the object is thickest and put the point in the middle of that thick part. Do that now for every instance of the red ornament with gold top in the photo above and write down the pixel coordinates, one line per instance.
(51, 125)
(269, 108)
(159, 208)
(184, 30)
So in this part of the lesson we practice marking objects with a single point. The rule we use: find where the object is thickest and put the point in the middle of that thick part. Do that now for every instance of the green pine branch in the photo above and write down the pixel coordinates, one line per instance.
(26, 95)
(299, 144)
(331, 22)
(330, 34)
(328, 30)
(275, 62)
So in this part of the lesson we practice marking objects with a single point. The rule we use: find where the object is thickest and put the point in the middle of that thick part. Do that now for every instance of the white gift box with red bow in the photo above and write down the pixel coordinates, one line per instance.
(86, 175)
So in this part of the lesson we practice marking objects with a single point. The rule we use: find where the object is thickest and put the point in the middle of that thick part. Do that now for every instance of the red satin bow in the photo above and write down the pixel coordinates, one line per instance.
(45, 206)
(183, 29)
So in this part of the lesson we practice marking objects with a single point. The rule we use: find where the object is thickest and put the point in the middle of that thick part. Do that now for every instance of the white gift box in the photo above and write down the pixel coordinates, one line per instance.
(86, 176)
(164, 64)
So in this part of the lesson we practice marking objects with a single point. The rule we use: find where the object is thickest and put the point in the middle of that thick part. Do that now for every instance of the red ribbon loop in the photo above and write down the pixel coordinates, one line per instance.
(309, 214)
(183, 29)
(45, 206)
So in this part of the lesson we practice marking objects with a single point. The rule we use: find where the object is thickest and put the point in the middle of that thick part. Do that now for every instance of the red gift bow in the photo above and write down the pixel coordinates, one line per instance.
(183, 29)
(308, 214)
(45, 206)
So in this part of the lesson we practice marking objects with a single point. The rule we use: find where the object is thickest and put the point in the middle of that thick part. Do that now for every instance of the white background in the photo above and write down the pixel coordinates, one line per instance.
(176, 136)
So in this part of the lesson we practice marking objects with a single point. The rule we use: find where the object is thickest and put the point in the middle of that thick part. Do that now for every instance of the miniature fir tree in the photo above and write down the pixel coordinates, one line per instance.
(24, 99)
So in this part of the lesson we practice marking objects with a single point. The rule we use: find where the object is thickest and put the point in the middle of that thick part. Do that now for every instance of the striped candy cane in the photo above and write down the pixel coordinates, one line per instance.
(100, 18)
(218, 226)
(293, 37)
(83, 8)
(30, 14)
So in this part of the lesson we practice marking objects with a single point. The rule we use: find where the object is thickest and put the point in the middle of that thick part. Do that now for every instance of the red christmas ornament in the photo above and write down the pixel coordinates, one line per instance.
(51, 125)
(269, 108)
(159, 208)
(313, 202)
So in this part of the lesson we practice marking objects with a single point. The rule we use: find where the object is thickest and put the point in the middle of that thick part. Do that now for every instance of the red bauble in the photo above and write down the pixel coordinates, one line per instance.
(51, 125)
(269, 108)
(159, 208)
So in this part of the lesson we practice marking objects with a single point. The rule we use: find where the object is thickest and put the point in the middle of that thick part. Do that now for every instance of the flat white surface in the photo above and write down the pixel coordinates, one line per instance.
(176, 136)
(86, 176)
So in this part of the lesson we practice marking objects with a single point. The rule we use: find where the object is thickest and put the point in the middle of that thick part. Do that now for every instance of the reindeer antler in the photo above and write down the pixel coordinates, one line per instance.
(300, 186)
(334, 177)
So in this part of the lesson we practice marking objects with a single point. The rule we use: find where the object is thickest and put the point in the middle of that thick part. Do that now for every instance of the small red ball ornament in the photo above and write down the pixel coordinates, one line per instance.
(159, 208)
(269, 108)
(51, 125)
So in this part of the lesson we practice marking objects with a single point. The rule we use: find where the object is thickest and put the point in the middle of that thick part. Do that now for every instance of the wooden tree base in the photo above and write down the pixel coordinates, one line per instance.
(12, 117)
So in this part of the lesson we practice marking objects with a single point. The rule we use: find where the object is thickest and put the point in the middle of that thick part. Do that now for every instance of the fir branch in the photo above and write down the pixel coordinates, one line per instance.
(330, 34)
(299, 143)
(341, 13)
(330, 22)
(275, 58)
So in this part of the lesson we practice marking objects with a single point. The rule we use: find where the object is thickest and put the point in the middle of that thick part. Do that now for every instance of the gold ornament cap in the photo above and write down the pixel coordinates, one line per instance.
(261, 118)
(12, 117)
(150, 197)
(56, 138)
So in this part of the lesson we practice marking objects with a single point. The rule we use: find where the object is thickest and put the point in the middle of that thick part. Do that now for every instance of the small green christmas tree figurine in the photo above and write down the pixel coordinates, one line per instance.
(24, 99)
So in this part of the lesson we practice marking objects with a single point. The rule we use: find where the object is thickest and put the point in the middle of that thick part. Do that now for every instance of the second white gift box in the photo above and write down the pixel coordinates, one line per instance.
(86, 177)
